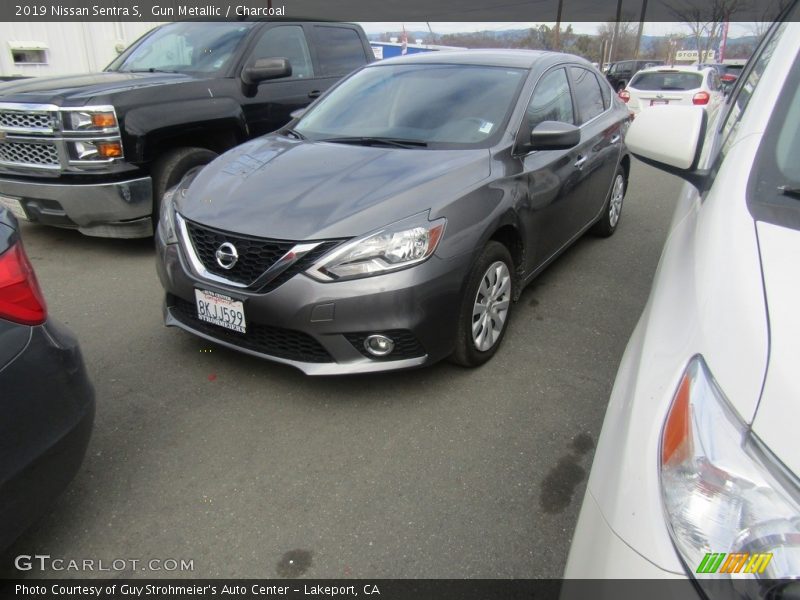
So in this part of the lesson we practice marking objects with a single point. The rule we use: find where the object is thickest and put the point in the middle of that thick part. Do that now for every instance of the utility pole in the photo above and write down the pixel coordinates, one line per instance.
(558, 24)
(614, 40)
(641, 29)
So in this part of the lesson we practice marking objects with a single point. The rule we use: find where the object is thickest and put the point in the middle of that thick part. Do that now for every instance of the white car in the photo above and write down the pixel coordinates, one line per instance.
(682, 86)
(696, 470)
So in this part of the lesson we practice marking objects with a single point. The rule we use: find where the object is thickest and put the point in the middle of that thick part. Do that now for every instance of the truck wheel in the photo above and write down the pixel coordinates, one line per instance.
(170, 168)
(485, 307)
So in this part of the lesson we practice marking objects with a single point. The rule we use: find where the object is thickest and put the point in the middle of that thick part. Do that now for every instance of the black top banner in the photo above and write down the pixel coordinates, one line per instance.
(387, 10)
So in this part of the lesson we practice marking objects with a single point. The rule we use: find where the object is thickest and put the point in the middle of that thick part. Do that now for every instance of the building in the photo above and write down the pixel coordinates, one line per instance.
(394, 48)
(48, 48)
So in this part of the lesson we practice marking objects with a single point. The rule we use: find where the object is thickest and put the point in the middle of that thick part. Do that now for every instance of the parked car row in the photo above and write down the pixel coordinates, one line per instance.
(393, 223)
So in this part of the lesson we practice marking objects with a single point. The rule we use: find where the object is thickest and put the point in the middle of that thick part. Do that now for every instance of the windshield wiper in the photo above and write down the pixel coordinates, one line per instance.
(788, 190)
(150, 70)
(377, 141)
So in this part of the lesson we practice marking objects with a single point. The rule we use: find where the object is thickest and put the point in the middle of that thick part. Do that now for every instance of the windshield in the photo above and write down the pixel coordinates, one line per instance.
(190, 47)
(435, 104)
(675, 80)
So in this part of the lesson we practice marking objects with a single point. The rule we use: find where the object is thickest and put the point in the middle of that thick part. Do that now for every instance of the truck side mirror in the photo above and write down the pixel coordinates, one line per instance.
(263, 69)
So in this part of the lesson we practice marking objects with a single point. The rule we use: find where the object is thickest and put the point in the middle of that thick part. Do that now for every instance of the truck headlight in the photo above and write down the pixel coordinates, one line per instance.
(732, 508)
(92, 120)
(395, 247)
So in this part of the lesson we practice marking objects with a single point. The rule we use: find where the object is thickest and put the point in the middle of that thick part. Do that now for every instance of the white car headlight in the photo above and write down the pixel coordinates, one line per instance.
(392, 248)
(733, 509)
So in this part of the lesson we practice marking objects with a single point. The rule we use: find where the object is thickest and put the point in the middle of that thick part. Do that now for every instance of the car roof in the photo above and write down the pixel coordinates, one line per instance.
(523, 59)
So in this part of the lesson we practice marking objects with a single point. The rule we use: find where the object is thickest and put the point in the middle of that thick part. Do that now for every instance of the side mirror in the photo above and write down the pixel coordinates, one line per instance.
(670, 138)
(296, 114)
(266, 68)
(554, 135)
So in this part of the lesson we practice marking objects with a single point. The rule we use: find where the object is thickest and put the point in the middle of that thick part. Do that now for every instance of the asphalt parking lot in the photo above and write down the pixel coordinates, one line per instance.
(251, 469)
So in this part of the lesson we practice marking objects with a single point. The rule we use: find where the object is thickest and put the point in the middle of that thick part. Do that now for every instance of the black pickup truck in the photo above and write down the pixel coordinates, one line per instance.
(96, 152)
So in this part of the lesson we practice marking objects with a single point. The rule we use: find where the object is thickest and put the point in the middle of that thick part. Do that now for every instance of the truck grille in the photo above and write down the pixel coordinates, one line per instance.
(29, 153)
(41, 121)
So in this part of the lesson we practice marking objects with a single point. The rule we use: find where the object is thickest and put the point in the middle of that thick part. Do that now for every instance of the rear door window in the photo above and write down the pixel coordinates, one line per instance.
(588, 97)
(339, 50)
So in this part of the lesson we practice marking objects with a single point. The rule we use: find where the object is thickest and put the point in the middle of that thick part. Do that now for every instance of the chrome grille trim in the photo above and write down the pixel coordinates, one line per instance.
(283, 263)
(29, 154)
(17, 121)
(38, 137)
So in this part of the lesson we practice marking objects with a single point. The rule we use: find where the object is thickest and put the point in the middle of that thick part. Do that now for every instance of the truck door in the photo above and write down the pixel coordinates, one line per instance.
(275, 99)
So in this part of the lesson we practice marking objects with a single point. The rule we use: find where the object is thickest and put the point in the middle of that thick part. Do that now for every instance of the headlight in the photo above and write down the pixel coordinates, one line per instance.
(166, 213)
(395, 247)
(92, 120)
(166, 217)
(733, 509)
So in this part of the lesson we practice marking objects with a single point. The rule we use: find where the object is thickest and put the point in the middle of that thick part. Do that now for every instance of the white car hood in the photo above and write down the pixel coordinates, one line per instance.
(776, 418)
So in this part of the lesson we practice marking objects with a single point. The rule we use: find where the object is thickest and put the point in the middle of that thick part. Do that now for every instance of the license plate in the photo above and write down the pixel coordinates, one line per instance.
(655, 102)
(220, 310)
(14, 206)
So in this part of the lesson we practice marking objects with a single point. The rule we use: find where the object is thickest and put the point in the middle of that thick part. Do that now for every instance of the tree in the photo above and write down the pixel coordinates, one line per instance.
(705, 21)
(624, 44)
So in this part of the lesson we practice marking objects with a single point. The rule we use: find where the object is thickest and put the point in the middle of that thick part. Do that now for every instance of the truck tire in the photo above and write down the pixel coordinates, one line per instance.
(170, 168)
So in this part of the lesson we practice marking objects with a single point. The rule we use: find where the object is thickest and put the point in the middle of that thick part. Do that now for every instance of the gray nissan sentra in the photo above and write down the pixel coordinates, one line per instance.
(394, 223)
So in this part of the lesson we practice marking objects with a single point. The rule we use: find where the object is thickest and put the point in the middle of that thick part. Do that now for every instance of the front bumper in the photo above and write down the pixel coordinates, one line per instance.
(319, 327)
(599, 553)
(119, 209)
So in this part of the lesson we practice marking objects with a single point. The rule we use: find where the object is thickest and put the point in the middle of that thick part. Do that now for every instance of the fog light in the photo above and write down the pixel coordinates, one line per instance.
(378, 345)
(109, 149)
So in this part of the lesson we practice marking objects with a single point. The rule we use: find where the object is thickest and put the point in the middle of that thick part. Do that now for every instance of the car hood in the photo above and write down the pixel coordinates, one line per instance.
(77, 90)
(275, 187)
(775, 422)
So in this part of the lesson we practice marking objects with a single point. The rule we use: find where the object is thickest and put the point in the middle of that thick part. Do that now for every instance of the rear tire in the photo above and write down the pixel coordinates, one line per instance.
(170, 168)
(612, 209)
(485, 307)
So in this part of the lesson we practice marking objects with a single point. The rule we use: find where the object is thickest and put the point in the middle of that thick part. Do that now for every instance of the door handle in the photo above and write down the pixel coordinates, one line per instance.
(614, 139)
(314, 94)
(580, 162)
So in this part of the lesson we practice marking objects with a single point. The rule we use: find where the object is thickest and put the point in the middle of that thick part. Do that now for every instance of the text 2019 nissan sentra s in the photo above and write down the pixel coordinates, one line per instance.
(394, 222)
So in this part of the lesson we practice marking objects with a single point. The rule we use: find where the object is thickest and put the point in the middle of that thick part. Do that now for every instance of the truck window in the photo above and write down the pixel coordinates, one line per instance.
(339, 50)
(285, 41)
(184, 47)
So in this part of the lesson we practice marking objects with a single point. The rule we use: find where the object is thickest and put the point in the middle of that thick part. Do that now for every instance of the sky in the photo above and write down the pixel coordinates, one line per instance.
(659, 28)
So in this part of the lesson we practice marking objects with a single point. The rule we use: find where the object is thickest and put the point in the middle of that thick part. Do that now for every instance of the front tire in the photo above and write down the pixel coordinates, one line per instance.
(485, 307)
(612, 210)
